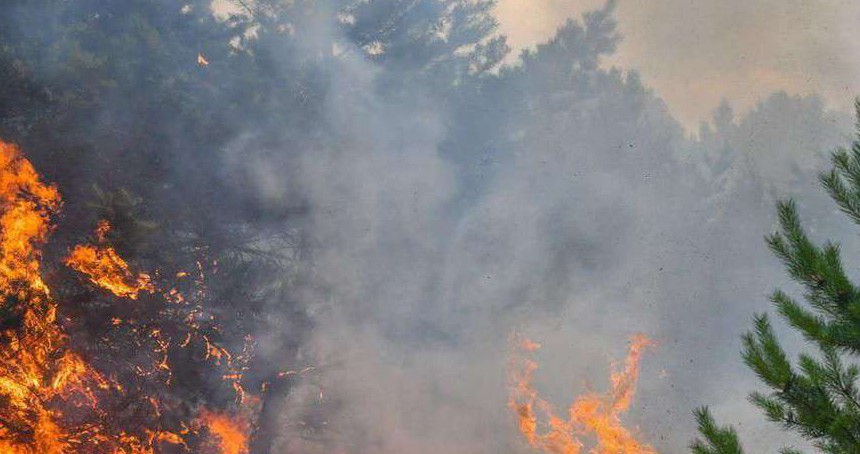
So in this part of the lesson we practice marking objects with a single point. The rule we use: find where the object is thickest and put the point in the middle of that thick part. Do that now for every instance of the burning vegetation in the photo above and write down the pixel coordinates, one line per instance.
(53, 399)
(106, 269)
(590, 415)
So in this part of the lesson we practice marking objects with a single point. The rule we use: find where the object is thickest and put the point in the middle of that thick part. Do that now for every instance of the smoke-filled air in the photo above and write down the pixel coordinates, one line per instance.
(426, 226)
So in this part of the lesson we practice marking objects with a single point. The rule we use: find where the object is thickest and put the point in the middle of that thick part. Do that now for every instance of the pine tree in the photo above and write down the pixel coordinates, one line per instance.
(817, 397)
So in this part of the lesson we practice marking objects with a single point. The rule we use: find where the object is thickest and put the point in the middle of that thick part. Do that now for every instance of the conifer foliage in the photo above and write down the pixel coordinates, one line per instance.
(817, 397)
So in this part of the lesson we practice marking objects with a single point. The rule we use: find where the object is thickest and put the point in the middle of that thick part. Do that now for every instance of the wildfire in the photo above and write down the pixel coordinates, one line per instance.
(592, 414)
(106, 269)
(52, 401)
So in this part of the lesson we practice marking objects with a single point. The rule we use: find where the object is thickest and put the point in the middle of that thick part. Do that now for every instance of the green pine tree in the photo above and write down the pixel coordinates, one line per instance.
(817, 397)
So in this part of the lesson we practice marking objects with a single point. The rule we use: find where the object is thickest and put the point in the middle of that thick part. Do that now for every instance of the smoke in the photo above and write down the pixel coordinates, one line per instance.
(593, 225)
(419, 211)
(584, 232)
(696, 54)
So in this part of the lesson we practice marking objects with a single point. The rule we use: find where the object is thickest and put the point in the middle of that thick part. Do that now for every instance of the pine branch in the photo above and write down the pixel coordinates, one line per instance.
(819, 398)
(717, 440)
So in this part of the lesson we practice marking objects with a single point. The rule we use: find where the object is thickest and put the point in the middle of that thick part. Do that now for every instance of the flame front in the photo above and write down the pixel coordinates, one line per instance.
(37, 367)
(594, 415)
(51, 400)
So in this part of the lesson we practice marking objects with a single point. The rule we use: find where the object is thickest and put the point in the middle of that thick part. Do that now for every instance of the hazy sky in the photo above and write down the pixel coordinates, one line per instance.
(695, 52)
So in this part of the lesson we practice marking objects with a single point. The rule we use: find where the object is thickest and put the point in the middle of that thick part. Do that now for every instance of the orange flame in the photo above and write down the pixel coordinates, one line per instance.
(594, 414)
(49, 396)
(105, 268)
(37, 366)
(231, 433)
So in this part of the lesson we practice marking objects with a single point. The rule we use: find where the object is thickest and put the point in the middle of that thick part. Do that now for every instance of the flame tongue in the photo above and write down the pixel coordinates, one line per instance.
(26, 205)
(106, 269)
(595, 414)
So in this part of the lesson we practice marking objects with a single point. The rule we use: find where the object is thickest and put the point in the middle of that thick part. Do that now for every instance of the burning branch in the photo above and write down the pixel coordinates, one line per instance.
(106, 269)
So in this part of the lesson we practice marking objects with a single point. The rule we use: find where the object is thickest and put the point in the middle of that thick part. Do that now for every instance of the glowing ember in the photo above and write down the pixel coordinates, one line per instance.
(591, 414)
(105, 268)
(51, 400)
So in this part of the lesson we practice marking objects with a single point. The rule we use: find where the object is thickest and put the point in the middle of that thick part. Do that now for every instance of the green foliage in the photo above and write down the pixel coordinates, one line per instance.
(816, 397)
(718, 440)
